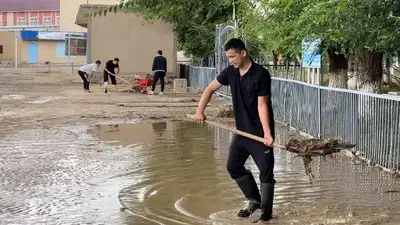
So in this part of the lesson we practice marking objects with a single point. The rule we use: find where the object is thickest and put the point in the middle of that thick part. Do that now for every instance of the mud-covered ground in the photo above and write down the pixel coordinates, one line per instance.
(29, 96)
(69, 157)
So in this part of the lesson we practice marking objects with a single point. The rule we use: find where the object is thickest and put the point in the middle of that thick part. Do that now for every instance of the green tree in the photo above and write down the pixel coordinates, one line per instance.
(367, 28)
(285, 24)
(194, 22)
(371, 31)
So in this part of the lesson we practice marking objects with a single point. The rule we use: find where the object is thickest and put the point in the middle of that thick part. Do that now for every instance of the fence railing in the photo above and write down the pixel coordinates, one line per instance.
(370, 121)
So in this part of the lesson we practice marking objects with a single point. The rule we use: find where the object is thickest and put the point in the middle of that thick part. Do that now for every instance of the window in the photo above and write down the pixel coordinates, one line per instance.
(77, 47)
(47, 20)
(34, 21)
(1, 49)
(58, 20)
(21, 21)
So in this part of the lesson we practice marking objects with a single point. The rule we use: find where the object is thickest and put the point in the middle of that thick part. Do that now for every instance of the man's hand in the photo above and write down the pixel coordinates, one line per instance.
(268, 140)
(199, 117)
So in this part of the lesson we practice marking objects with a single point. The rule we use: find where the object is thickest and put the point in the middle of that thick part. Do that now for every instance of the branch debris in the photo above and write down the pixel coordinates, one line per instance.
(308, 148)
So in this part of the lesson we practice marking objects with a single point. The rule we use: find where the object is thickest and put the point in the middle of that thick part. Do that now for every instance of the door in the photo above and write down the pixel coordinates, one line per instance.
(33, 53)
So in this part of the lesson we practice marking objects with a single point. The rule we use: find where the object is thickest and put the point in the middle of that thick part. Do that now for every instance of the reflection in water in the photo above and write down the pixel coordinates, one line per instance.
(178, 177)
(187, 183)
(159, 128)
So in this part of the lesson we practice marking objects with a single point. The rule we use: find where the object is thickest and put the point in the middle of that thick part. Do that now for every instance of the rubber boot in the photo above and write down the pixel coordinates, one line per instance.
(267, 201)
(250, 190)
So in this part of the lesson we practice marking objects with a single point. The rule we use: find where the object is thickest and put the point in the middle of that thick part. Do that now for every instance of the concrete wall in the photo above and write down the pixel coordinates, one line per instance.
(69, 9)
(47, 50)
(7, 40)
(133, 41)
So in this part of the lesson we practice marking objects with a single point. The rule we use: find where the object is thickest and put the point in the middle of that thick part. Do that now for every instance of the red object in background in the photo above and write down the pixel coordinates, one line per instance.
(143, 84)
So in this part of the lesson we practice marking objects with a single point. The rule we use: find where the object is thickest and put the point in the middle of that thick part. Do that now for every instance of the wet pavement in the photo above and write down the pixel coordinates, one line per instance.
(172, 173)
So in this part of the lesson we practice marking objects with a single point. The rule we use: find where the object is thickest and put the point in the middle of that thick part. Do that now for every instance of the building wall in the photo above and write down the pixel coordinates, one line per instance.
(33, 18)
(52, 51)
(132, 40)
(69, 9)
(3, 19)
(47, 50)
(7, 40)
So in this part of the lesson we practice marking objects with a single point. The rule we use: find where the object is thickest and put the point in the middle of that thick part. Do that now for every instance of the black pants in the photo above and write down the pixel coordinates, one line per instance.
(113, 79)
(85, 79)
(158, 76)
(240, 150)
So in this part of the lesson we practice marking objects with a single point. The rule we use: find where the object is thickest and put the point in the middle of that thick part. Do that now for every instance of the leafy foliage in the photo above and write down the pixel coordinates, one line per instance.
(354, 24)
(193, 21)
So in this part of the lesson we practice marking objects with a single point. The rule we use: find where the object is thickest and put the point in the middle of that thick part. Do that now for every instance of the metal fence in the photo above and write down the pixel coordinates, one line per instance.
(370, 121)
(200, 77)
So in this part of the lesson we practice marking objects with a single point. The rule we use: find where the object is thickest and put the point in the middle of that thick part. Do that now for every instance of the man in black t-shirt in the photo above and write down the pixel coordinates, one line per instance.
(159, 69)
(109, 70)
(250, 85)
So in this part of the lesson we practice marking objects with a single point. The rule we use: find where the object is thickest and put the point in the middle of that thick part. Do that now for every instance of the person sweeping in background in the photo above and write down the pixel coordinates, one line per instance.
(250, 85)
(109, 71)
(86, 72)
(159, 69)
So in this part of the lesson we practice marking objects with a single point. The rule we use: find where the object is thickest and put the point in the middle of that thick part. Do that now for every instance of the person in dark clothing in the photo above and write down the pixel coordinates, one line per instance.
(109, 71)
(159, 69)
(86, 71)
(250, 85)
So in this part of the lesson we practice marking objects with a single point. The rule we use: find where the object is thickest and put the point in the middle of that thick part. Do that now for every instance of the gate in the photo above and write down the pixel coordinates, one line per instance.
(223, 33)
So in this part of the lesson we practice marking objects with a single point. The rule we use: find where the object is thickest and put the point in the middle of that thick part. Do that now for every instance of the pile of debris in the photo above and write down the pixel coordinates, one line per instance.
(226, 111)
(308, 148)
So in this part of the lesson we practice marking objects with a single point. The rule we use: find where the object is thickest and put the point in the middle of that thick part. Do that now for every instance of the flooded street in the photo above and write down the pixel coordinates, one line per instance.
(172, 173)
(70, 158)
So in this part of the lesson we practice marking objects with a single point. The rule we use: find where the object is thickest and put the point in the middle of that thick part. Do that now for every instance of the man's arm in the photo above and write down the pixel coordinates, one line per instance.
(94, 69)
(118, 69)
(105, 68)
(264, 93)
(206, 96)
(222, 79)
(165, 65)
(264, 114)
(153, 67)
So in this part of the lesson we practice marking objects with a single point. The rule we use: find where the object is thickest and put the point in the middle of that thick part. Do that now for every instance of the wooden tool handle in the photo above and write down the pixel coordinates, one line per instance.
(245, 134)
(120, 78)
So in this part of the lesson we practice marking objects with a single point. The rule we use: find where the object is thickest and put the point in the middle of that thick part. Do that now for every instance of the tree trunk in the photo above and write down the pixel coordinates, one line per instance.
(299, 59)
(386, 74)
(275, 67)
(338, 66)
(370, 71)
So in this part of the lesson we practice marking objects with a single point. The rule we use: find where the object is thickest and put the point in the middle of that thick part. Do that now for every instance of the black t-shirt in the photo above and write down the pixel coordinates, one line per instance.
(245, 91)
(110, 65)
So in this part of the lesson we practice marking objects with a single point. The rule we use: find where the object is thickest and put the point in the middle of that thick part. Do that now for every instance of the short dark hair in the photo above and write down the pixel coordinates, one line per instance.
(159, 52)
(116, 59)
(98, 62)
(235, 44)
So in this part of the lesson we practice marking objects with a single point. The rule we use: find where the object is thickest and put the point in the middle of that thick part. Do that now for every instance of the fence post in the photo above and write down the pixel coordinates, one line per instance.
(16, 49)
(321, 77)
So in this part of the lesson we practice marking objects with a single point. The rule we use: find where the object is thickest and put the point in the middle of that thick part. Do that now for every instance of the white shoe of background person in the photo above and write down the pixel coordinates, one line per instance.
(161, 93)
(151, 92)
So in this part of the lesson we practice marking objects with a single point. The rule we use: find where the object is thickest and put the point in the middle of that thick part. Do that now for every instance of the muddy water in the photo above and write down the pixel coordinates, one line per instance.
(172, 173)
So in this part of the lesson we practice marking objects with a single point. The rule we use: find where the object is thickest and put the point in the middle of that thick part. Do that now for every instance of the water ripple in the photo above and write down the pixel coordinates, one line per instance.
(172, 173)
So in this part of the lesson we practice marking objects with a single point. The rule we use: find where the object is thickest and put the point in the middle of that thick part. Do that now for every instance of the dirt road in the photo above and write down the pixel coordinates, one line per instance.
(69, 157)
(30, 96)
